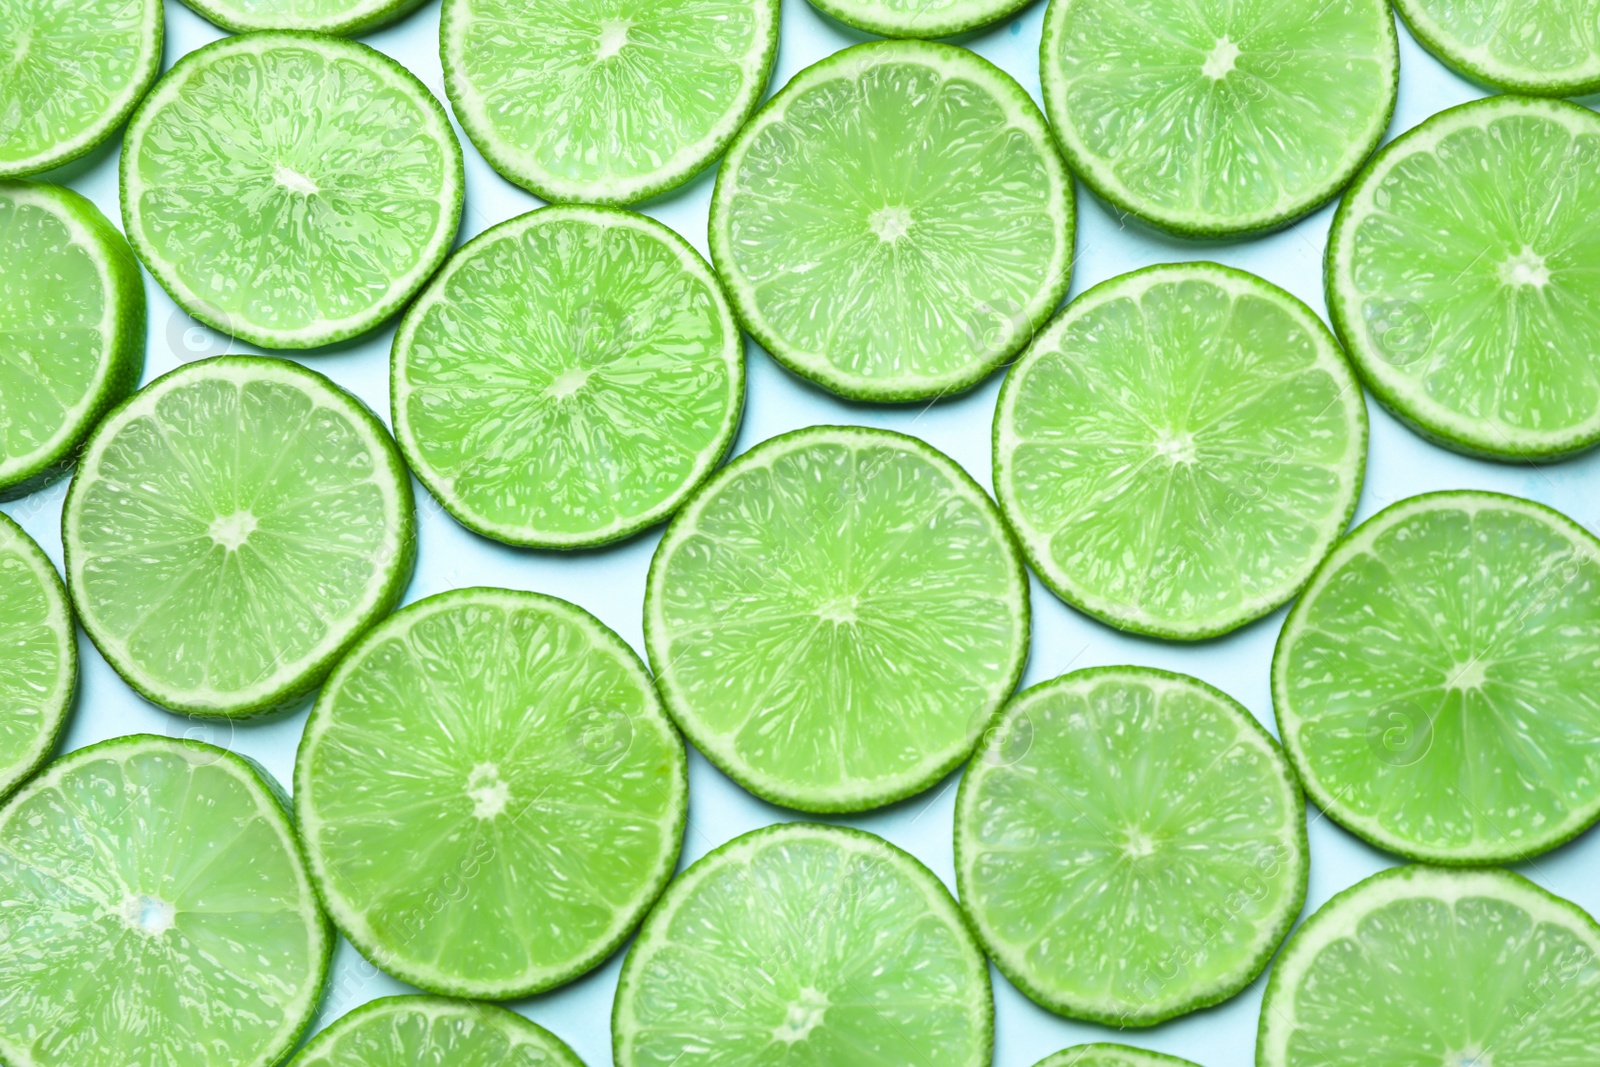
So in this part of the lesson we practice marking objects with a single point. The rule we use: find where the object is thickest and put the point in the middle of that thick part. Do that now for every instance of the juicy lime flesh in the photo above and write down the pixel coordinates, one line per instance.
(1436, 684)
(37, 669)
(324, 15)
(1537, 44)
(1130, 846)
(411, 1029)
(490, 753)
(1108, 1055)
(171, 878)
(581, 404)
(918, 18)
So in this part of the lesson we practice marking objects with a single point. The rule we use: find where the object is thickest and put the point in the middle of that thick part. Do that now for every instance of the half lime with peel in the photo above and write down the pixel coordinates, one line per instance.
(157, 911)
(1179, 449)
(1434, 684)
(568, 378)
(1418, 965)
(644, 93)
(1130, 845)
(1543, 47)
(1105, 1054)
(231, 530)
(434, 1030)
(1460, 275)
(918, 18)
(490, 793)
(292, 189)
(341, 17)
(72, 318)
(1219, 117)
(834, 618)
(804, 944)
(38, 655)
(896, 222)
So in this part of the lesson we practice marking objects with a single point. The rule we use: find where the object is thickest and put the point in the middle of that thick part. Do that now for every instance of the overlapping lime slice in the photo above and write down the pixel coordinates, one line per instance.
(38, 655)
(157, 912)
(1109, 1055)
(1435, 682)
(804, 944)
(342, 17)
(1546, 47)
(433, 1030)
(568, 377)
(1179, 449)
(1461, 277)
(918, 18)
(1130, 844)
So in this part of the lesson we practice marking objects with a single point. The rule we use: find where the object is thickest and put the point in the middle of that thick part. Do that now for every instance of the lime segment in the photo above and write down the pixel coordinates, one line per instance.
(1546, 47)
(38, 655)
(1109, 1055)
(342, 17)
(433, 1030)
(918, 18)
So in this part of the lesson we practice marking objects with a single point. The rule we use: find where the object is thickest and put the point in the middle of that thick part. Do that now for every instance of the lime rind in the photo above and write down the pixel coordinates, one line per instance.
(917, 18)
(1106, 1054)
(524, 1037)
(21, 762)
(1480, 63)
(339, 18)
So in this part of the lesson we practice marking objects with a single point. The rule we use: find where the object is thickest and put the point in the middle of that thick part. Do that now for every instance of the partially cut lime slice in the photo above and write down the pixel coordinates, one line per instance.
(1218, 117)
(568, 377)
(38, 655)
(72, 73)
(1545, 47)
(291, 189)
(1461, 277)
(1435, 683)
(835, 617)
(896, 222)
(606, 102)
(490, 793)
(918, 18)
(804, 944)
(1109, 1055)
(157, 912)
(342, 17)
(1419, 965)
(232, 529)
(72, 324)
(395, 1031)
(1130, 844)
(1179, 449)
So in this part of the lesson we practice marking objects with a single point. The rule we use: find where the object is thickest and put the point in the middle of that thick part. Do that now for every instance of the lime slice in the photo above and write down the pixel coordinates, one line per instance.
(490, 793)
(568, 377)
(39, 661)
(835, 617)
(433, 1030)
(1418, 965)
(1434, 683)
(342, 17)
(1545, 47)
(918, 18)
(605, 103)
(1218, 117)
(1130, 844)
(231, 530)
(1109, 1055)
(1461, 272)
(72, 74)
(1179, 449)
(290, 189)
(804, 944)
(896, 222)
(73, 329)
(157, 912)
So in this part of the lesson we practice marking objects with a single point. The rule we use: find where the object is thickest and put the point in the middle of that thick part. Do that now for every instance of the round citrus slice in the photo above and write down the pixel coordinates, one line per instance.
(490, 793)
(605, 103)
(1109, 1055)
(157, 912)
(1434, 682)
(73, 71)
(232, 529)
(1460, 275)
(834, 618)
(73, 324)
(1544, 47)
(1218, 117)
(1130, 844)
(342, 17)
(896, 222)
(38, 655)
(434, 1030)
(918, 18)
(804, 944)
(568, 377)
(291, 189)
(1179, 449)
(1418, 965)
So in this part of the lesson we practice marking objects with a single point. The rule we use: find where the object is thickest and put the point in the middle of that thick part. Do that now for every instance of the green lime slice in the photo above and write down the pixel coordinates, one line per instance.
(1179, 449)
(834, 618)
(610, 102)
(291, 189)
(896, 222)
(39, 661)
(1434, 682)
(72, 324)
(1130, 844)
(1418, 965)
(568, 378)
(804, 944)
(432, 1030)
(918, 18)
(157, 912)
(1544, 47)
(490, 793)
(232, 529)
(1460, 275)
(73, 72)
(1218, 117)
(1109, 1055)
(342, 17)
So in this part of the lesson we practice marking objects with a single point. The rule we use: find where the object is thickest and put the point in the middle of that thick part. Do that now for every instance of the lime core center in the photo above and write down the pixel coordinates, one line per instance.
(890, 223)
(613, 35)
(1220, 61)
(294, 181)
(232, 531)
(804, 1016)
(488, 793)
(1176, 448)
(841, 612)
(1525, 268)
(1138, 845)
(150, 916)
(568, 382)
(1467, 675)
